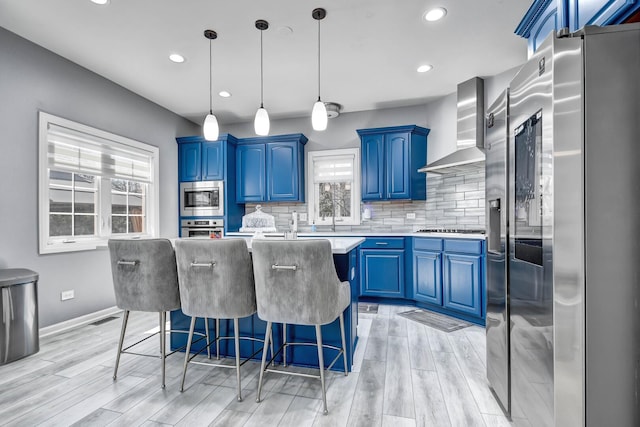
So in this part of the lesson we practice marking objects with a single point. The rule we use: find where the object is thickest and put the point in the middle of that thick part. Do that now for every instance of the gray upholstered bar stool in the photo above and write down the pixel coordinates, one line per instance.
(144, 279)
(297, 283)
(216, 281)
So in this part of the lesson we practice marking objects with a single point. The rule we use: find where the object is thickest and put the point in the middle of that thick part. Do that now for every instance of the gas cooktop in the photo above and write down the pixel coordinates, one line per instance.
(450, 230)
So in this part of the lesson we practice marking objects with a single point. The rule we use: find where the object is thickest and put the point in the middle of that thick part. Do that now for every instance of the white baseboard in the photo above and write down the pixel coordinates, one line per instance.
(78, 321)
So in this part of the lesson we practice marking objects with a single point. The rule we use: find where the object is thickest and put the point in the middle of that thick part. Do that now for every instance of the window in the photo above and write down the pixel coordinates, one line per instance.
(93, 185)
(334, 187)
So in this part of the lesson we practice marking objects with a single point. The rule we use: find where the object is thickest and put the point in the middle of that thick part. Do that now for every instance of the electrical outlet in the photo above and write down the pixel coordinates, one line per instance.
(65, 295)
(303, 216)
(411, 215)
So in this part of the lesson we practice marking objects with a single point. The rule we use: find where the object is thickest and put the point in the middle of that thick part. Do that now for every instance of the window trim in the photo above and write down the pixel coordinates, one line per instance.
(356, 185)
(46, 246)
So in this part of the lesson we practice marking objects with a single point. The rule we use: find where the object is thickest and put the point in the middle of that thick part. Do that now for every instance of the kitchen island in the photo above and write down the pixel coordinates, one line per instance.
(345, 255)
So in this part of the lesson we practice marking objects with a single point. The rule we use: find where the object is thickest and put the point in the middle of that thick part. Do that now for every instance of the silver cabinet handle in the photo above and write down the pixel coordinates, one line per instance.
(123, 262)
(382, 243)
(203, 264)
(284, 267)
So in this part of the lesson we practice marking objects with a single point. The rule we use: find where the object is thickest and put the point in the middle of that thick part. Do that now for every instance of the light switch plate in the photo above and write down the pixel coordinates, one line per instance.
(411, 215)
(303, 216)
(65, 295)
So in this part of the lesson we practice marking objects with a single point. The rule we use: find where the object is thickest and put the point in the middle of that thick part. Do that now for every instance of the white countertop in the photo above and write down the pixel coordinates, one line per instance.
(476, 236)
(339, 245)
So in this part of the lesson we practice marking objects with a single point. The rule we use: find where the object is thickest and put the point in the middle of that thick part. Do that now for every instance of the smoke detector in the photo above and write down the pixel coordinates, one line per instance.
(333, 109)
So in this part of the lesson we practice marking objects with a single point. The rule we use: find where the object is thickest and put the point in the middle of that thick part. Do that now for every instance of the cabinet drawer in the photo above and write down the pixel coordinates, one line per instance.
(427, 244)
(383, 243)
(464, 246)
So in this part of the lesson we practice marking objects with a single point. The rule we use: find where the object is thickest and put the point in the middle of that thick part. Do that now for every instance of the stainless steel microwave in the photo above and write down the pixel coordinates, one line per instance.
(202, 198)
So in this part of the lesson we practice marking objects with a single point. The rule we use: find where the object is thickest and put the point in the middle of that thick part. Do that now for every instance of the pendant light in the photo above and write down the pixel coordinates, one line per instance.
(261, 122)
(319, 113)
(210, 127)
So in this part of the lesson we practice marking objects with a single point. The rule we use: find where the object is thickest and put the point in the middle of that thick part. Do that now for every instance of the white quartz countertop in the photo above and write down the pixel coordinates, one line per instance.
(476, 236)
(339, 245)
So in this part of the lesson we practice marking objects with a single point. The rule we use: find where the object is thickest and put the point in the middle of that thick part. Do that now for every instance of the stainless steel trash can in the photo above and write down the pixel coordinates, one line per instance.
(19, 303)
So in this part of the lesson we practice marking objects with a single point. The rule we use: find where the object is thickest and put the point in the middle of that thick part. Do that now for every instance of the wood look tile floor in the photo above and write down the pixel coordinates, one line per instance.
(406, 374)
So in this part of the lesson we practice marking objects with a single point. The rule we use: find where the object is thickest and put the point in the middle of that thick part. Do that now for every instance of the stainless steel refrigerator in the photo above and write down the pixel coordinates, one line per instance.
(563, 224)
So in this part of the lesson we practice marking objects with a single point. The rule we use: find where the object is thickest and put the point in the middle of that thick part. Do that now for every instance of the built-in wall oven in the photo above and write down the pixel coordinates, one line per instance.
(202, 198)
(213, 228)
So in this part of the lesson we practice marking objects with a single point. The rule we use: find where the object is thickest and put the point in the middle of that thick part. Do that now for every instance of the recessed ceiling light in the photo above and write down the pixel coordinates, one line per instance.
(176, 57)
(224, 94)
(100, 2)
(424, 68)
(435, 14)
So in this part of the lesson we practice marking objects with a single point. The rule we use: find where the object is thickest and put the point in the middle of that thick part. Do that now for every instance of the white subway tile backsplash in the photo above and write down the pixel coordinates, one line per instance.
(455, 201)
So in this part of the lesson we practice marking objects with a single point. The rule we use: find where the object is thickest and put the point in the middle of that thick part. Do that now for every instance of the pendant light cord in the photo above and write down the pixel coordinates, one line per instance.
(318, 60)
(261, 73)
(210, 81)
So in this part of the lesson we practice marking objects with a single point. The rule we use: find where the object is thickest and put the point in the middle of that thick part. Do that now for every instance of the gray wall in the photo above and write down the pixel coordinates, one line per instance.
(454, 201)
(33, 79)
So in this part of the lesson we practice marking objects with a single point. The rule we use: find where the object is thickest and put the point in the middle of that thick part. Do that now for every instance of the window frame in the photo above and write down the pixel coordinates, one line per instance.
(313, 202)
(55, 244)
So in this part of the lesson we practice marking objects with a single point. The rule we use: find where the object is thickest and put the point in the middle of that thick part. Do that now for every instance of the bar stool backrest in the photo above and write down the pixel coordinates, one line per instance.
(296, 281)
(216, 278)
(144, 274)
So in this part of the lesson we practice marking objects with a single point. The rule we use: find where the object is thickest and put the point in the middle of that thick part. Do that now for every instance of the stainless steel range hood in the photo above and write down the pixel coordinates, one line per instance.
(469, 154)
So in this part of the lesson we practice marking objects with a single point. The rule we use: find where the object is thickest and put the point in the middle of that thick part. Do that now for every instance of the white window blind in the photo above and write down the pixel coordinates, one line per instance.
(74, 151)
(333, 169)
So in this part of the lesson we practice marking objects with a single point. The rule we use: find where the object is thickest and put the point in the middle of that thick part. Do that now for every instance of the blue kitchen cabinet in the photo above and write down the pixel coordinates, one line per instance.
(547, 16)
(427, 270)
(391, 158)
(250, 170)
(382, 267)
(271, 169)
(200, 160)
(463, 276)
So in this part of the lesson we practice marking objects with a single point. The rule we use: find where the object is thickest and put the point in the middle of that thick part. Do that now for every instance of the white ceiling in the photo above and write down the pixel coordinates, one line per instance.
(370, 49)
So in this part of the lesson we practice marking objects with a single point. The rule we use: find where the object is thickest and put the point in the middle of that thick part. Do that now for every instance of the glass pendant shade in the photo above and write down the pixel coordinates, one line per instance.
(319, 116)
(210, 128)
(261, 123)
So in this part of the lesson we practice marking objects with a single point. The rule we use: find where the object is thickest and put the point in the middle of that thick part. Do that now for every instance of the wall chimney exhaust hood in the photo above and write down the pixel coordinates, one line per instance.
(469, 154)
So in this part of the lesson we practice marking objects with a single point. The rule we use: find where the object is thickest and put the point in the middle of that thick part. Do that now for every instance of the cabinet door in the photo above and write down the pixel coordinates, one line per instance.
(212, 161)
(382, 273)
(190, 160)
(282, 172)
(397, 166)
(427, 277)
(462, 283)
(250, 173)
(373, 167)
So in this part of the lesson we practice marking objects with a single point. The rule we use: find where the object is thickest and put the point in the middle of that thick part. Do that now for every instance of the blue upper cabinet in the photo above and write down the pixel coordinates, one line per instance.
(212, 161)
(250, 170)
(390, 161)
(271, 169)
(202, 160)
(547, 16)
(190, 161)
(373, 167)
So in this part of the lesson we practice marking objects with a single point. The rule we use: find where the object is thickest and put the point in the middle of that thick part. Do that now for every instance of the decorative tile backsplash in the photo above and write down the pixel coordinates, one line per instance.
(453, 201)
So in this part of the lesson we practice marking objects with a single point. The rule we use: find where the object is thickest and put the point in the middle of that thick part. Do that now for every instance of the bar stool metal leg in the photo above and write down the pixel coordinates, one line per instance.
(267, 338)
(125, 318)
(206, 331)
(344, 345)
(187, 352)
(218, 339)
(321, 363)
(163, 337)
(284, 343)
(236, 335)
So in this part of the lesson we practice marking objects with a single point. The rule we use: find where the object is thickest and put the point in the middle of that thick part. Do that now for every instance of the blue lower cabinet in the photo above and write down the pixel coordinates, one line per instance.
(427, 277)
(382, 273)
(462, 283)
